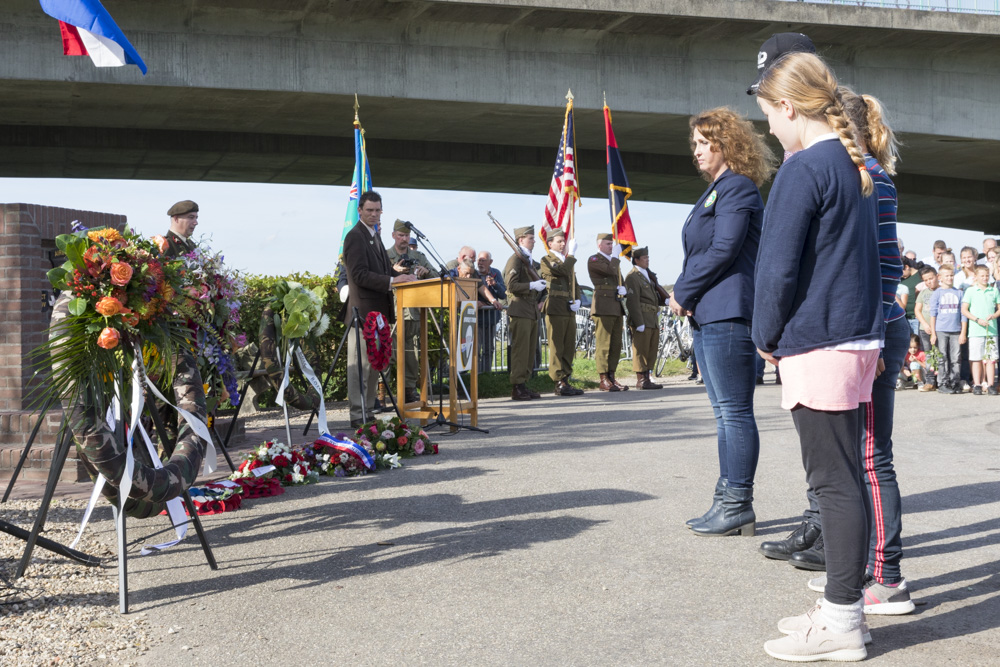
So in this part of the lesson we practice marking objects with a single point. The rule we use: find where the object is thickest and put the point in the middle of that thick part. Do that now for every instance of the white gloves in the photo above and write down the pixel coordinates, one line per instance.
(616, 250)
(571, 247)
(640, 328)
(537, 285)
(343, 293)
(574, 305)
(622, 291)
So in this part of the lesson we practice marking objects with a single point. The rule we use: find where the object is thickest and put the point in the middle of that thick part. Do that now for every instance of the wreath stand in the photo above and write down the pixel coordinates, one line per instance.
(33, 538)
(59, 455)
(355, 324)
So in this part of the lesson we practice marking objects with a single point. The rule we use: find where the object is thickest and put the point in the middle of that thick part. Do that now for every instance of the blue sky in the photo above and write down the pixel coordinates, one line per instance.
(279, 229)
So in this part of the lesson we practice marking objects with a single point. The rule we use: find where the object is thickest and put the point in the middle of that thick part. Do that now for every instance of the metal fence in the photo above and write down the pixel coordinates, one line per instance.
(958, 6)
(675, 341)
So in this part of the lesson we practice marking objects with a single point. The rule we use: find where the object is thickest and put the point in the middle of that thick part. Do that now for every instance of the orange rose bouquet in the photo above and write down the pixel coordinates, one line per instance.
(121, 294)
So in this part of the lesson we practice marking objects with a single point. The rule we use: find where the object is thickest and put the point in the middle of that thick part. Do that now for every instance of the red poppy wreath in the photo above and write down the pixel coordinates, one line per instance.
(378, 341)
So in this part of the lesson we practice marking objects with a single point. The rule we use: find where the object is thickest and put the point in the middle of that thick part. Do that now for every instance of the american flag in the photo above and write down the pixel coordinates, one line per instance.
(564, 192)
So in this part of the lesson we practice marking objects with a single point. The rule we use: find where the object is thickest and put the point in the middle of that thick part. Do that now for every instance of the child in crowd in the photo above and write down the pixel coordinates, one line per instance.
(915, 363)
(948, 258)
(965, 275)
(945, 315)
(921, 313)
(981, 307)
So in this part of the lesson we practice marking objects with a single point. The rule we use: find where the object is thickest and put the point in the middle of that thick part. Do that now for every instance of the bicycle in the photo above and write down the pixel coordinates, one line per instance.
(676, 341)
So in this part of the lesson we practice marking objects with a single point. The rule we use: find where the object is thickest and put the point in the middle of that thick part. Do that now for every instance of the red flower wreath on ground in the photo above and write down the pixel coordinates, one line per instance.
(378, 341)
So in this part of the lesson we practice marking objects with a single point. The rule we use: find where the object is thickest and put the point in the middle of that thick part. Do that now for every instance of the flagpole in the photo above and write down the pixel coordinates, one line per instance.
(576, 173)
(611, 195)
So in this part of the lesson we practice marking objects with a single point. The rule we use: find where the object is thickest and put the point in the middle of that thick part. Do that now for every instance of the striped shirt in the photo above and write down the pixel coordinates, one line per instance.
(890, 262)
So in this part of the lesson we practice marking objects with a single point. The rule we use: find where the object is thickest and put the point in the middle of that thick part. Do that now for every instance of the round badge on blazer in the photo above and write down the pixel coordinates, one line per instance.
(711, 199)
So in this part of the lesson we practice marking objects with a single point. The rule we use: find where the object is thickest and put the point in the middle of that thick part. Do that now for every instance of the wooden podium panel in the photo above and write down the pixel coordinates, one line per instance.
(447, 294)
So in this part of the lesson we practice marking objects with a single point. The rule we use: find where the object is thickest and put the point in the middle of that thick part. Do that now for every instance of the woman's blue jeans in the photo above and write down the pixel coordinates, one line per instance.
(727, 358)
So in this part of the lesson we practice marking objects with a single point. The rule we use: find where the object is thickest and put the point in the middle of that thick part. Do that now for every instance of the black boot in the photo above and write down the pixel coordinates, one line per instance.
(813, 558)
(801, 539)
(716, 504)
(735, 516)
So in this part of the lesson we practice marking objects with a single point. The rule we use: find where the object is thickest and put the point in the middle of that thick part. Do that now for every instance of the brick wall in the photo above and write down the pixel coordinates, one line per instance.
(27, 235)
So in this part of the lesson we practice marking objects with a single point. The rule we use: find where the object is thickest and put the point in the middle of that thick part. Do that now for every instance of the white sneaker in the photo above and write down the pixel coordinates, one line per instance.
(818, 584)
(818, 643)
(793, 624)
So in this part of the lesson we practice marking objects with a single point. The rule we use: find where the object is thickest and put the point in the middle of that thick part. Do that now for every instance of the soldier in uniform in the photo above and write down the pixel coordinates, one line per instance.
(408, 260)
(643, 303)
(183, 220)
(524, 294)
(560, 309)
(607, 309)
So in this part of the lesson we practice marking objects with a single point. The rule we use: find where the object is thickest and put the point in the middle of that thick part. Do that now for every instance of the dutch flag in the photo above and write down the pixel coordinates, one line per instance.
(88, 30)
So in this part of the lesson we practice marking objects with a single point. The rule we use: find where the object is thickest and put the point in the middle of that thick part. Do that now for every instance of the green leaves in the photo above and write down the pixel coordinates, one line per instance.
(73, 247)
(78, 306)
(296, 325)
(58, 275)
(296, 301)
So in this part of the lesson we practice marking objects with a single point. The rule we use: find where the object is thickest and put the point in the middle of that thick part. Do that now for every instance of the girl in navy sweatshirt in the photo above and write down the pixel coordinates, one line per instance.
(823, 334)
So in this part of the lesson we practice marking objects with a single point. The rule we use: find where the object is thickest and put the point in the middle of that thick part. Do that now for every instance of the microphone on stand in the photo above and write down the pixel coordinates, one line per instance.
(420, 234)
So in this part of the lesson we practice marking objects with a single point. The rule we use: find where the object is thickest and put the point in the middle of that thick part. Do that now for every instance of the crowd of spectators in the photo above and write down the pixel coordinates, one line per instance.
(952, 304)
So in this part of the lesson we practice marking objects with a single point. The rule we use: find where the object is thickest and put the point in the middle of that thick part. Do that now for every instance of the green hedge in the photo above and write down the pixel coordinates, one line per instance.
(259, 290)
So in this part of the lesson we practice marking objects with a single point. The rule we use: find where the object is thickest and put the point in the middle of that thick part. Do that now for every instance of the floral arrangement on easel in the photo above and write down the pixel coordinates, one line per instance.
(122, 302)
(214, 292)
(298, 313)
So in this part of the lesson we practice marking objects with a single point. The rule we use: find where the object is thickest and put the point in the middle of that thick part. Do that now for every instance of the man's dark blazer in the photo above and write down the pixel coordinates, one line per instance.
(369, 274)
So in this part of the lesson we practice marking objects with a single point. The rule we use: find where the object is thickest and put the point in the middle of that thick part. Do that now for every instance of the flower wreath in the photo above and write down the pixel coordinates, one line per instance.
(380, 349)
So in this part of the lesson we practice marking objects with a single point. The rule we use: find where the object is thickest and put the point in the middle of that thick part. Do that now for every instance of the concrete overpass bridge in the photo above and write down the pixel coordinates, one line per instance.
(468, 94)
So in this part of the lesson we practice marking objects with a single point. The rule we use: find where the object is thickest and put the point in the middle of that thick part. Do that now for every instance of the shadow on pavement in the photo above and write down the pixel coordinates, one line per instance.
(980, 581)
(499, 534)
(957, 531)
(952, 498)
(339, 563)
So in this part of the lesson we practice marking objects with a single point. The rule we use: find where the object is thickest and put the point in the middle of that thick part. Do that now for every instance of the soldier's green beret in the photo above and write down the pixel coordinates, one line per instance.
(554, 234)
(640, 252)
(605, 237)
(183, 208)
(400, 226)
(524, 231)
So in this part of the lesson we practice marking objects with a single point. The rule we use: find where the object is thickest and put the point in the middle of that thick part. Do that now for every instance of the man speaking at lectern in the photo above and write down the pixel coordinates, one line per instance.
(370, 277)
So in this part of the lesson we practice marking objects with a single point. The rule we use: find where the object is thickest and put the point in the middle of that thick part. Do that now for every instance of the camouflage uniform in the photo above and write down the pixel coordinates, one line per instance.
(101, 451)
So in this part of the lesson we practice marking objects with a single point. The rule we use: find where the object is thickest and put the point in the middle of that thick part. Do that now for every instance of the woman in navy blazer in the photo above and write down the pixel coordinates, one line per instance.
(715, 289)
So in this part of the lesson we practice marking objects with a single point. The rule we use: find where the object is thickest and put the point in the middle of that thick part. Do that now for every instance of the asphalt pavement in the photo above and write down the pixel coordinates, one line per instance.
(559, 539)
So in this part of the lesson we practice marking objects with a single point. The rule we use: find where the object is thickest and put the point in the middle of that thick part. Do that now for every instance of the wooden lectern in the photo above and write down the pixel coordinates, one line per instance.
(439, 293)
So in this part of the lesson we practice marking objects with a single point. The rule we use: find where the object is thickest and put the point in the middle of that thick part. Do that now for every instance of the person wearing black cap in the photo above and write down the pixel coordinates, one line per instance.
(183, 220)
(776, 46)
(643, 303)
(525, 294)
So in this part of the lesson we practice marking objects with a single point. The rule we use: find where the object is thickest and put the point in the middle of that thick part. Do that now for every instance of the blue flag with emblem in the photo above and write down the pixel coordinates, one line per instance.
(360, 184)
